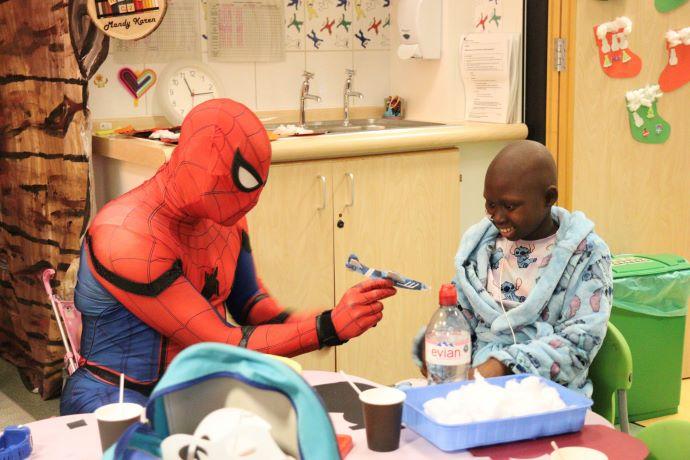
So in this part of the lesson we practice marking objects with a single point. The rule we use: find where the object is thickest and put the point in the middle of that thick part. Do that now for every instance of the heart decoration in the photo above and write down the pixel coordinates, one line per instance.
(137, 84)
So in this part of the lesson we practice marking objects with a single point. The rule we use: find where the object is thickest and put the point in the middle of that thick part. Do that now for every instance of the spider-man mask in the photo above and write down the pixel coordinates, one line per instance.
(221, 162)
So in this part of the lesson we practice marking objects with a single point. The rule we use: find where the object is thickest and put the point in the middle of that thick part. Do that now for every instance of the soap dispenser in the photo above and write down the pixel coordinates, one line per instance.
(419, 26)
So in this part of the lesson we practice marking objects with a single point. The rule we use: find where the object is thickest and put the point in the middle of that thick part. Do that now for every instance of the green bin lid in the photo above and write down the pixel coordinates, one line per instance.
(626, 265)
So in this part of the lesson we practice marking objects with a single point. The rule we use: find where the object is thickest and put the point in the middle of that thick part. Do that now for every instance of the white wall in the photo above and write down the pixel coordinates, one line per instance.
(433, 88)
(474, 161)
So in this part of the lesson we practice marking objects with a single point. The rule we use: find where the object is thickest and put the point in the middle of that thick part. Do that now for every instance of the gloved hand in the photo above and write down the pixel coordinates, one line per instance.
(360, 307)
(358, 310)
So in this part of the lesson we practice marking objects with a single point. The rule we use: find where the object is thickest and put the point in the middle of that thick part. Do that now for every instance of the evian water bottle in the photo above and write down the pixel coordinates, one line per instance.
(447, 342)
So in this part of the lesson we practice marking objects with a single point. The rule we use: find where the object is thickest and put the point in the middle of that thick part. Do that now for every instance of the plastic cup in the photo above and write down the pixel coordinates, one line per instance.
(577, 453)
(113, 419)
(382, 409)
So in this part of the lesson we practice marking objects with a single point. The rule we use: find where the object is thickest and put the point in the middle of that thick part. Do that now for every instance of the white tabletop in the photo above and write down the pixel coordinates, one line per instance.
(76, 436)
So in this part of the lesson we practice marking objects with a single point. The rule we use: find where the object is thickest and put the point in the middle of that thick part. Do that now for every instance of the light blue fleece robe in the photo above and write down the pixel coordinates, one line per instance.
(560, 327)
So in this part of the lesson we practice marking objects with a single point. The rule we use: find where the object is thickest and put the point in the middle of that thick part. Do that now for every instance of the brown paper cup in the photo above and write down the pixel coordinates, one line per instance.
(114, 419)
(382, 409)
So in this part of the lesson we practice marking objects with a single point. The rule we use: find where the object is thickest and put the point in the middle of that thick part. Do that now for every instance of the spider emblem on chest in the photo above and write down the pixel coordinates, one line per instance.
(211, 286)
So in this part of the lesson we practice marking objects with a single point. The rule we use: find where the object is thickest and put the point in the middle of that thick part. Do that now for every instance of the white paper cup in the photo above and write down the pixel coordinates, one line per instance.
(382, 409)
(577, 453)
(113, 419)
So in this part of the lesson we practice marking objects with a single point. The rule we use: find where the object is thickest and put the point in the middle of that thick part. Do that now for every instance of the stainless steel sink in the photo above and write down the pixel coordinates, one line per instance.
(364, 124)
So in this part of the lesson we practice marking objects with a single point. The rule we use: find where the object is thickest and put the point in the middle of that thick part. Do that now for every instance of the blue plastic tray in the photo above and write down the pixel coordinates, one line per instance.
(466, 435)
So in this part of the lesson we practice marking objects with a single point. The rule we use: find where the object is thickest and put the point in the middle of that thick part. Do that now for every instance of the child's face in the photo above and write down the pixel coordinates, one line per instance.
(517, 208)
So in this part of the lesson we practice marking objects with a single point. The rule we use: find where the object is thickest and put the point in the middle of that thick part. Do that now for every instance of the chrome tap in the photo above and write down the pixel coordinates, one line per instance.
(304, 95)
(347, 94)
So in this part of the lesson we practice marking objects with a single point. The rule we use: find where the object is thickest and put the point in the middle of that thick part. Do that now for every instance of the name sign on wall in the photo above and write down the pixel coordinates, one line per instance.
(127, 19)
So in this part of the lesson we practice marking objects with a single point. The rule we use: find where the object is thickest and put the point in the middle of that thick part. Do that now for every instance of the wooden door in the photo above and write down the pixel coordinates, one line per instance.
(405, 217)
(637, 194)
(559, 93)
(291, 231)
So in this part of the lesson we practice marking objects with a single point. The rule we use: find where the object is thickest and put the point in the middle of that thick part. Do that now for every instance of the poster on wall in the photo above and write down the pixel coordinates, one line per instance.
(646, 125)
(615, 57)
(245, 31)
(127, 19)
(178, 37)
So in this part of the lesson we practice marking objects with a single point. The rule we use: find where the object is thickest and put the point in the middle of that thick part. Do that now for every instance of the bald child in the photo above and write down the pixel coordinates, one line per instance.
(533, 280)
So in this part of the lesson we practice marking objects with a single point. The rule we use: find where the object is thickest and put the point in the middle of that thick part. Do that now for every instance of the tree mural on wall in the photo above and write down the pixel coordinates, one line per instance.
(48, 51)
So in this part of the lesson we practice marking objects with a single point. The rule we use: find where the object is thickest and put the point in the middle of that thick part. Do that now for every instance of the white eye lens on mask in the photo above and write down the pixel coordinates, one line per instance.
(244, 175)
(246, 178)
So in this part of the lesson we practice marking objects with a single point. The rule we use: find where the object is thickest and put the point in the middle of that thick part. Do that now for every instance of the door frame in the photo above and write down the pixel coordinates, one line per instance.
(560, 94)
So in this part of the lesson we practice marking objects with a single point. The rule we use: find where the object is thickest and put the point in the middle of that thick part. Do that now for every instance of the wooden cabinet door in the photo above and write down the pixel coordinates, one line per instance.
(291, 231)
(405, 217)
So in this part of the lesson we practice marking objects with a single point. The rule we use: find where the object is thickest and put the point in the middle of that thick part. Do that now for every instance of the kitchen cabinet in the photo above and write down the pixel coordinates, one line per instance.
(291, 233)
(398, 212)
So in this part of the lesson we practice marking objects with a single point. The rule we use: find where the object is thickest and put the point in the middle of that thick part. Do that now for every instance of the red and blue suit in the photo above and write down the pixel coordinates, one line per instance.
(169, 264)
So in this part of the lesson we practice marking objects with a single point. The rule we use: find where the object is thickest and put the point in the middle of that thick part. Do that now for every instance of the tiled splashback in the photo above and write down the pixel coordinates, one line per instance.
(323, 36)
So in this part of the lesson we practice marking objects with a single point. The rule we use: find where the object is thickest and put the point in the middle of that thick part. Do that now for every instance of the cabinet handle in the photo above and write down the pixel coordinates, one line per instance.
(323, 192)
(351, 176)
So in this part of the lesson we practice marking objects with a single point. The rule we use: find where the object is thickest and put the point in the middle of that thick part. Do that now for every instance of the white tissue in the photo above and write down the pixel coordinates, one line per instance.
(164, 134)
(479, 401)
(291, 130)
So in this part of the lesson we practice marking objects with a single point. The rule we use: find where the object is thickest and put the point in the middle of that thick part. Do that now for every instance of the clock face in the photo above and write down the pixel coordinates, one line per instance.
(186, 88)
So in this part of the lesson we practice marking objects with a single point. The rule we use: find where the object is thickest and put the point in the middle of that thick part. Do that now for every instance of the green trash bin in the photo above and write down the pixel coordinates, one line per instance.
(650, 296)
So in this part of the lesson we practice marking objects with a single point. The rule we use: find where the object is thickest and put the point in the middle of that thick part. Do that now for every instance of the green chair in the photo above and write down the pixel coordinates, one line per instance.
(667, 440)
(611, 374)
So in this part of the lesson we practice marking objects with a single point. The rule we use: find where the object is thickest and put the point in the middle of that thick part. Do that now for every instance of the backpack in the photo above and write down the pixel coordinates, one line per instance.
(209, 376)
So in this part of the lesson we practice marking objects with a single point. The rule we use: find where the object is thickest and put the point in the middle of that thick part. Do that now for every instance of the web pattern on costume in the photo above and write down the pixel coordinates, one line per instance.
(173, 261)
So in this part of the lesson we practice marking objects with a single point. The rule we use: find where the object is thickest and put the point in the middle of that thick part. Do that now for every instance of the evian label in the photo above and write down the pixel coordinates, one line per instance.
(454, 351)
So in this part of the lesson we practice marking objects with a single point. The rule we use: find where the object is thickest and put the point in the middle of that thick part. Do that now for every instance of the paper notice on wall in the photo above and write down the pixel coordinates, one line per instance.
(488, 65)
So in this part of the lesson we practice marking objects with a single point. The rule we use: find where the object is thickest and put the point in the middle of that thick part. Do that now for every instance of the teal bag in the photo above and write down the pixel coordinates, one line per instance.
(209, 376)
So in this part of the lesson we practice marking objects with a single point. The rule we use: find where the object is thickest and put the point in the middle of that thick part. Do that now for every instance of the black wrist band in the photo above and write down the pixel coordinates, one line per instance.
(325, 331)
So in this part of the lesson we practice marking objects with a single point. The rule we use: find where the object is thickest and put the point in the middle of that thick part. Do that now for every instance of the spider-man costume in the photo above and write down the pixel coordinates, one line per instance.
(163, 264)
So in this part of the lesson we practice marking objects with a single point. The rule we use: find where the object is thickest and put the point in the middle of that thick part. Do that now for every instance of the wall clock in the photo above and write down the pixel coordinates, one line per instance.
(185, 84)
(126, 19)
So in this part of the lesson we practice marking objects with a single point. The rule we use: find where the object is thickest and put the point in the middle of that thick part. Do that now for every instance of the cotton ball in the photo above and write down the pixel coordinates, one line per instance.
(480, 400)
(456, 397)
(456, 419)
(521, 408)
(512, 385)
(551, 398)
(437, 408)
(531, 383)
